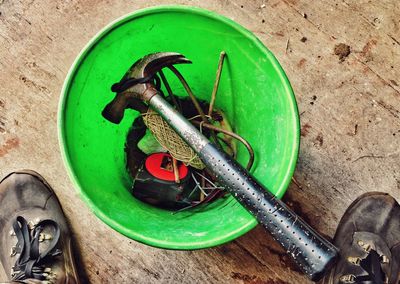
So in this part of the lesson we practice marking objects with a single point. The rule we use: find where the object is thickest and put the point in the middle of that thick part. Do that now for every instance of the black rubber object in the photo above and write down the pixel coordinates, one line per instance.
(311, 252)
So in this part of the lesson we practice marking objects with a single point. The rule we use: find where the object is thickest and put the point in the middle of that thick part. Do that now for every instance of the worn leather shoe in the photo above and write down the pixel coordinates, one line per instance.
(368, 237)
(35, 242)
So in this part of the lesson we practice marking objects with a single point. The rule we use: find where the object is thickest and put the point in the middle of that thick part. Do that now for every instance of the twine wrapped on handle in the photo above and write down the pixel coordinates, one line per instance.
(170, 140)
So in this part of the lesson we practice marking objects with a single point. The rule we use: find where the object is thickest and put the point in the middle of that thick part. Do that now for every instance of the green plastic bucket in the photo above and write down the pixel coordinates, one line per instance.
(254, 93)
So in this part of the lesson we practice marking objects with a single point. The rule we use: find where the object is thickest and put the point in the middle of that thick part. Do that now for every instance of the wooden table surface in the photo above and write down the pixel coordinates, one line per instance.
(350, 118)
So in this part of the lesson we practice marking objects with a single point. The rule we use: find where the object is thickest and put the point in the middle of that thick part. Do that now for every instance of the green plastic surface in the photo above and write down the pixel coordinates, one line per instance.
(254, 93)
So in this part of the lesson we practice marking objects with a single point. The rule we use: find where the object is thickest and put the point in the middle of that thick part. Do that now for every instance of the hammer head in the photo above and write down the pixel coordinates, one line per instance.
(136, 85)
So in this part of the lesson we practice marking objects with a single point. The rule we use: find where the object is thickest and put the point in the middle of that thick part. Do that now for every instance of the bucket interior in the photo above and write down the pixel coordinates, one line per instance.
(254, 93)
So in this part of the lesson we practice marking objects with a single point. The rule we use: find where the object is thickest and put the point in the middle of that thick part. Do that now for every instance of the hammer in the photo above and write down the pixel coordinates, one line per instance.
(313, 254)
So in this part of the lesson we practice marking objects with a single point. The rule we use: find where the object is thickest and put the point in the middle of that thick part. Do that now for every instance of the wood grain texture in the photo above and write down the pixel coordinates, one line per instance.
(350, 117)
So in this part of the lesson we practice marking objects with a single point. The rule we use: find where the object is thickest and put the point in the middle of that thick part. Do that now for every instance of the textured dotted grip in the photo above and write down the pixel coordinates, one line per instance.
(311, 252)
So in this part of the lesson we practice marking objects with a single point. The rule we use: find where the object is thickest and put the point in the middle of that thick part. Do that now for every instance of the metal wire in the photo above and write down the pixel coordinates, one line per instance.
(234, 135)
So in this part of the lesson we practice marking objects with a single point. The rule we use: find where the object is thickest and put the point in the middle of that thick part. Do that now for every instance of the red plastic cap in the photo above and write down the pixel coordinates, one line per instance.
(155, 165)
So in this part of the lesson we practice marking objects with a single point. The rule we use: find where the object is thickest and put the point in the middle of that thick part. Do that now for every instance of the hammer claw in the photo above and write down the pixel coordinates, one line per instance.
(145, 68)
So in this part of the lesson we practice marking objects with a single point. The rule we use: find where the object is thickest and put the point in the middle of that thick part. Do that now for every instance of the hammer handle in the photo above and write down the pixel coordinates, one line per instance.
(312, 253)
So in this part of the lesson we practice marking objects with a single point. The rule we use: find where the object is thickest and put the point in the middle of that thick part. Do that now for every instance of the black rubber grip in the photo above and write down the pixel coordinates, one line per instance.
(311, 252)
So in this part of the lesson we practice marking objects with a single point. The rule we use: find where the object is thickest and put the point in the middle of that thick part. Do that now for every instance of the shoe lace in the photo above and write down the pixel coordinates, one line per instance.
(31, 262)
(372, 266)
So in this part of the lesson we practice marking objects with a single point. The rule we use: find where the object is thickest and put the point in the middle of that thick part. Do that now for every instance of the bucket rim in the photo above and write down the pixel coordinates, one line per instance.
(62, 135)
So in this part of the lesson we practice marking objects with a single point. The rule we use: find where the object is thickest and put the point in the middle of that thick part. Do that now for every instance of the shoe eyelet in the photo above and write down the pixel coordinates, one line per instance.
(384, 259)
(365, 246)
(349, 278)
(354, 260)
(14, 251)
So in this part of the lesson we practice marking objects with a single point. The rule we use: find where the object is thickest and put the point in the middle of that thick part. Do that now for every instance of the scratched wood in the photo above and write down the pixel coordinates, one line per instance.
(350, 117)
